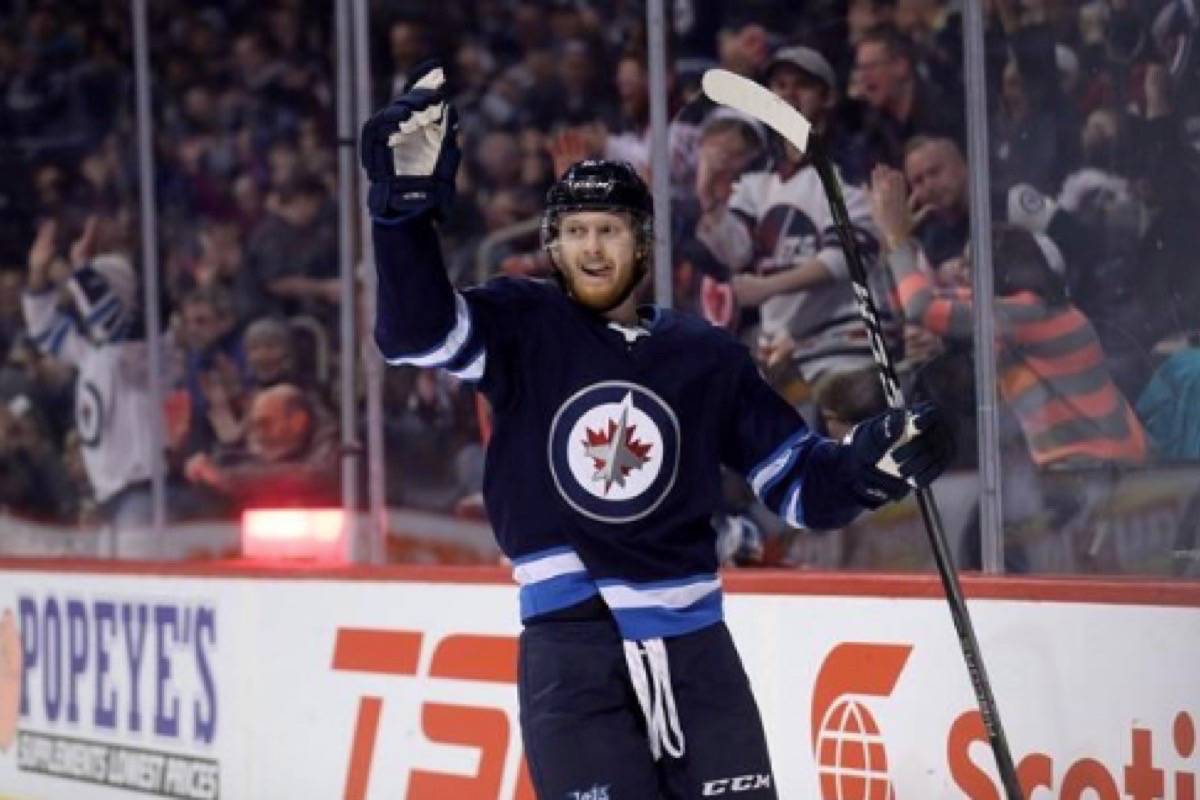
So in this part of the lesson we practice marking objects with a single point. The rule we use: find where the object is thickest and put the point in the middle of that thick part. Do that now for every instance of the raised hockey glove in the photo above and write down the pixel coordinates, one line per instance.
(897, 450)
(410, 150)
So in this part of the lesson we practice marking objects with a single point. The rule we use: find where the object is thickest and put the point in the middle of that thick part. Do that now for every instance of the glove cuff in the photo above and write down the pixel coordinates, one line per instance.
(402, 198)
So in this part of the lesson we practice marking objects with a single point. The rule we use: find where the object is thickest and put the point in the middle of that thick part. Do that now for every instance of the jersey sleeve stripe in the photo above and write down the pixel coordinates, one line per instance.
(472, 372)
(763, 477)
(450, 347)
(791, 511)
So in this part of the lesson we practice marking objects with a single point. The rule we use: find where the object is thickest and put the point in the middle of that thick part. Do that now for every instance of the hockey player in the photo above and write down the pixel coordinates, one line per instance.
(611, 422)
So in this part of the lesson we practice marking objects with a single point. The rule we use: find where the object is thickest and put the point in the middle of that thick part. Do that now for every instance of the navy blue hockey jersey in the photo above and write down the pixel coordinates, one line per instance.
(604, 464)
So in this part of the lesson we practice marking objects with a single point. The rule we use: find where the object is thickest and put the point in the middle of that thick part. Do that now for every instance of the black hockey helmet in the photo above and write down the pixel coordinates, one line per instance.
(600, 185)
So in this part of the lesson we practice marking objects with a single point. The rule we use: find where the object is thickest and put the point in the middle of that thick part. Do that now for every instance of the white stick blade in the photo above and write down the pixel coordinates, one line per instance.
(755, 100)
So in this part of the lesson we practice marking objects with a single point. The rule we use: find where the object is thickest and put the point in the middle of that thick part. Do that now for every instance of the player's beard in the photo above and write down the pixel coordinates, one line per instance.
(602, 299)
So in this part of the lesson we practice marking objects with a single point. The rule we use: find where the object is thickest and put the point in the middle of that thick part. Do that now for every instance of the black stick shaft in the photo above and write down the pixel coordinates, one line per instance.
(929, 510)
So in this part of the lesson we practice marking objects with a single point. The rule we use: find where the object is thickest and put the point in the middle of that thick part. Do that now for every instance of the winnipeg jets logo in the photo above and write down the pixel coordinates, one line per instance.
(614, 451)
(89, 414)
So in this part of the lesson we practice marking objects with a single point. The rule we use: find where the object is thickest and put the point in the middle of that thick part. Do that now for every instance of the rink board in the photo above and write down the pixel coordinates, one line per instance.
(257, 683)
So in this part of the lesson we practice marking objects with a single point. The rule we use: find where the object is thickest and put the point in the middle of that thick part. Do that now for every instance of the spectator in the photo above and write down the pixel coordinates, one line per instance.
(244, 105)
(937, 172)
(728, 144)
(1053, 375)
(292, 256)
(743, 48)
(438, 456)
(497, 158)
(777, 232)
(264, 356)
(12, 323)
(476, 65)
(845, 399)
(583, 93)
(630, 141)
(410, 42)
(50, 191)
(270, 353)
(274, 357)
(248, 202)
(899, 103)
(1124, 222)
(33, 482)
(215, 367)
(1035, 128)
(289, 459)
(502, 210)
(284, 173)
(1169, 403)
(110, 352)
(47, 381)
(863, 16)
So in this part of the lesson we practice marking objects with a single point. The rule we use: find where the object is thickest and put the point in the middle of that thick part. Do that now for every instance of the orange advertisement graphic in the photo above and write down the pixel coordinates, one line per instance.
(847, 744)
(10, 679)
(1142, 777)
(469, 657)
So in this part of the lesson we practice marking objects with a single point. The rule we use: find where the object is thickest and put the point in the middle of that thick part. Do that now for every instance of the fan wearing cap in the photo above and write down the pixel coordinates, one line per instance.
(612, 420)
(776, 233)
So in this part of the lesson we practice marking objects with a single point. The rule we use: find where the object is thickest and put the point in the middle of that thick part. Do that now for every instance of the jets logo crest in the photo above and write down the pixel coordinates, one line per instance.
(614, 451)
(89, 414)
(784, 236)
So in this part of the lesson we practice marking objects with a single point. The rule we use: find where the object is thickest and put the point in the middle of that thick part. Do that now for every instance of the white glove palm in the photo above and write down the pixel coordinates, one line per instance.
(416, 145)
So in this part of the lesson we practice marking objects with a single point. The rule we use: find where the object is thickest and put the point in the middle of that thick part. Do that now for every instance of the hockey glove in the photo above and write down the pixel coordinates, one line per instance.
(410, 150)
(897, 450)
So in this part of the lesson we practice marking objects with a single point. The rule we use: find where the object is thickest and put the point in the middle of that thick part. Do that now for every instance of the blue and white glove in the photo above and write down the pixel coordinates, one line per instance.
(410, 150)
(897, 450)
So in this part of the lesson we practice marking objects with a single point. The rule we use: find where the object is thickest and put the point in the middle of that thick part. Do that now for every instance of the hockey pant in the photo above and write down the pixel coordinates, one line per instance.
(586, 734)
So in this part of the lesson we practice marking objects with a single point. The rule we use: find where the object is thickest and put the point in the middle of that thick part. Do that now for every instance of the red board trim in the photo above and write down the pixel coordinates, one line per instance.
(1066, 589)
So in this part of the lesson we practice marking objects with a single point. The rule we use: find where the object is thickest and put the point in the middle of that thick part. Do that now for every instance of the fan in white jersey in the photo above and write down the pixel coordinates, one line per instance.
(777, 233)
(102, 340)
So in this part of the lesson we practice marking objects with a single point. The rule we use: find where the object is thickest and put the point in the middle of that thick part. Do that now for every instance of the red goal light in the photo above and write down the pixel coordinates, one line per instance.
(310, 533)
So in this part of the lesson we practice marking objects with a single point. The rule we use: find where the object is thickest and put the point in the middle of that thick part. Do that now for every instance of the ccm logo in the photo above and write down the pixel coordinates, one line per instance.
(742, 783)
(463, 657)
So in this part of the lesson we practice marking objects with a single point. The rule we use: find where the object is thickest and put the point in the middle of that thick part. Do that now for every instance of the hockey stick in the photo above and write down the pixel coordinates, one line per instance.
(756, 101)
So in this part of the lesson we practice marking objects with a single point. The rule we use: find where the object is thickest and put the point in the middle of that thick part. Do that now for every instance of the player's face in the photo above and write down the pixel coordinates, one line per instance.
(597, 251)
